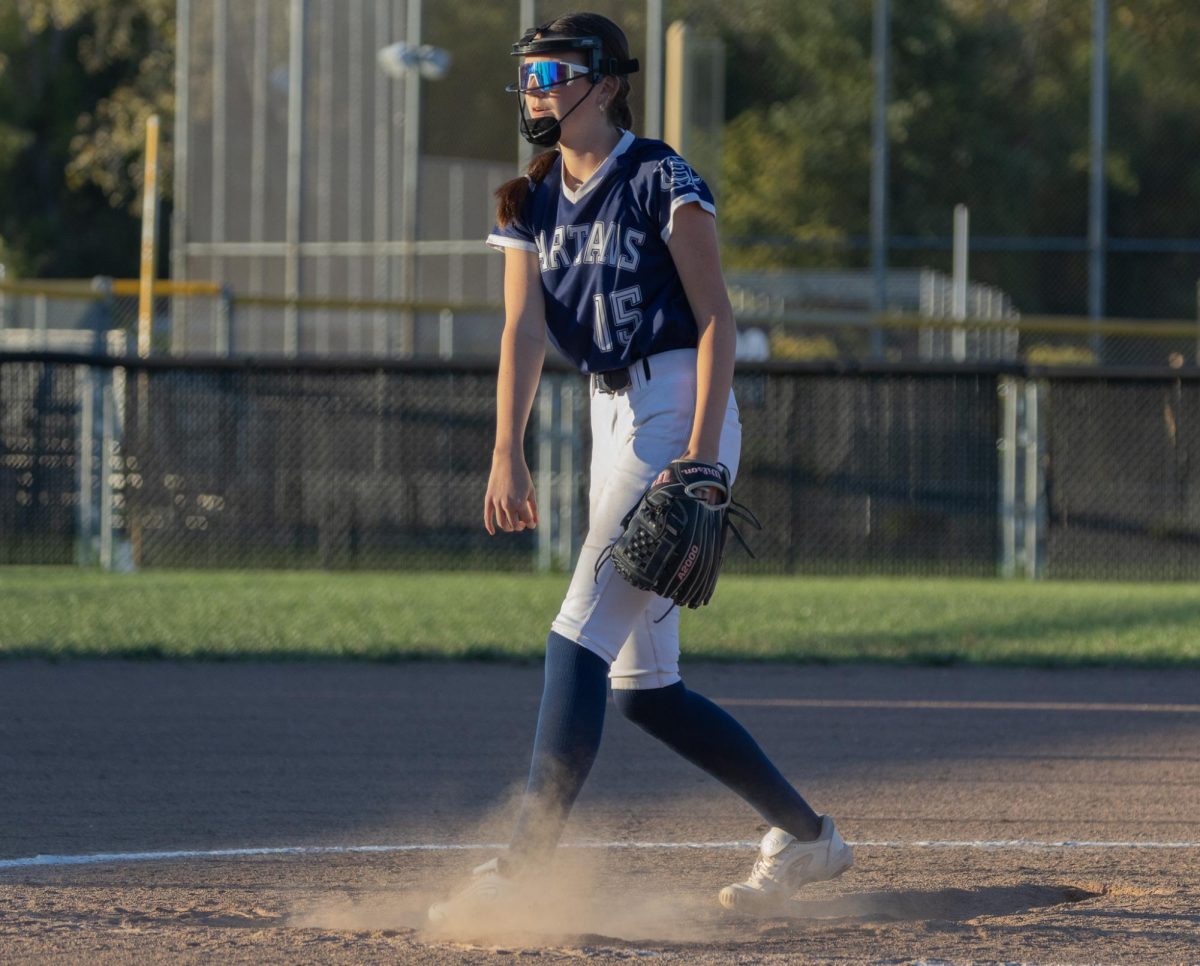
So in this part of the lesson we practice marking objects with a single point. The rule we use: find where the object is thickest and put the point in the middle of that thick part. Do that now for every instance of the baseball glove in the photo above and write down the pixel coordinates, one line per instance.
(674, 539)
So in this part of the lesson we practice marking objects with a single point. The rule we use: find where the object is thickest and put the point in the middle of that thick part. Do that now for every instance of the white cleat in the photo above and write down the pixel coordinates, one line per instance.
(487, 888)
(785, 864)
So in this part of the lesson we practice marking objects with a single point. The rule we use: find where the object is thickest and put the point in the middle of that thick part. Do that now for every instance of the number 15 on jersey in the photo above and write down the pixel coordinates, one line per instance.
(618, 316)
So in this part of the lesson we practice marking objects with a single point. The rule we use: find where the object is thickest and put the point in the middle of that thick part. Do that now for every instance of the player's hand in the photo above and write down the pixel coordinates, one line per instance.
(710, 493)
(510, 504)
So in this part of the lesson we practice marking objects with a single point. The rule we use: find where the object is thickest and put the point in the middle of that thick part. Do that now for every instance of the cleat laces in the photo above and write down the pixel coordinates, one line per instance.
(763, 871)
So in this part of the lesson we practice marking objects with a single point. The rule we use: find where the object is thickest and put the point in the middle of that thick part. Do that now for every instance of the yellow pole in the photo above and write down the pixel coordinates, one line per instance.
(149, 238)
(676, 89)
(145, 311)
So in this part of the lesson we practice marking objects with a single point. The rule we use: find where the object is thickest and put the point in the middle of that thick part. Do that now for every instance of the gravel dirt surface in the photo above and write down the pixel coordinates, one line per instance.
(921, 767)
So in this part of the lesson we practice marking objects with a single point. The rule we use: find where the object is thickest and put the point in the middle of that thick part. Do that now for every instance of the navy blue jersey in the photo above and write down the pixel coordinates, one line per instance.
(612, 293)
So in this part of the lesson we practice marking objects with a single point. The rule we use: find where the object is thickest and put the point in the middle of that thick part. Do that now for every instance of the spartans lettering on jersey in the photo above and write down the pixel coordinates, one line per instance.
(600, 243)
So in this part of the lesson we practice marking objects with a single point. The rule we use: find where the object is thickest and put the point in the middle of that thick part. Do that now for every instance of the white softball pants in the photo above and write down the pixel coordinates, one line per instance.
(635, 433)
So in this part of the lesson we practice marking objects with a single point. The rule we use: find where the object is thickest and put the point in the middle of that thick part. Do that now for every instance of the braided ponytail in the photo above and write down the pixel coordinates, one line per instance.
(511, 195)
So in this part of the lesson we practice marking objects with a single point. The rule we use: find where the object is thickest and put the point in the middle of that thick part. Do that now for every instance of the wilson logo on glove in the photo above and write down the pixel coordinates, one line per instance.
(673, 540)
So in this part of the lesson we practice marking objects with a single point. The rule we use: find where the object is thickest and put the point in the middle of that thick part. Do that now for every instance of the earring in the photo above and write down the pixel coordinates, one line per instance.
(602, 107)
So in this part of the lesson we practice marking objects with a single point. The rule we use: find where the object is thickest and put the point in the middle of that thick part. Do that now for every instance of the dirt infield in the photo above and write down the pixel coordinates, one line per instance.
(999, 815)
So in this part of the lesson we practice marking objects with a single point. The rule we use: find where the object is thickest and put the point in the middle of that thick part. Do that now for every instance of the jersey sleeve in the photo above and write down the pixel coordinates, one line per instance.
(512, 235)
(515, 234)
(676, 184)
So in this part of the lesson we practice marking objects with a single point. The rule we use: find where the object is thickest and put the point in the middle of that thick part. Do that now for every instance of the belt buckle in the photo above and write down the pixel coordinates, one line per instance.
(613, 381)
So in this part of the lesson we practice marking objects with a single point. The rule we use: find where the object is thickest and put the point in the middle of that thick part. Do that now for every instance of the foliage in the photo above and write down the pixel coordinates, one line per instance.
(77, 80)
(989, 106)
(108, 149)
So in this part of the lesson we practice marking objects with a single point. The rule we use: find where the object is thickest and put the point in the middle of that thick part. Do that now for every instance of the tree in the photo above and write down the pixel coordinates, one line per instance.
(989, 106)
(77, 80)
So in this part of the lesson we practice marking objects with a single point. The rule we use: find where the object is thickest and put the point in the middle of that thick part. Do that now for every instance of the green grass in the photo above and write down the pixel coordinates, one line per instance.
(64, 612)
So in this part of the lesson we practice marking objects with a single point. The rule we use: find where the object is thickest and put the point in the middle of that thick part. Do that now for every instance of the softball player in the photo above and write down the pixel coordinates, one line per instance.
(610, 246)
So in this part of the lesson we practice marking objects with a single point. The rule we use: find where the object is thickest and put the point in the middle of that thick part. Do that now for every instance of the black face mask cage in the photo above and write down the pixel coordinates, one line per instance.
(545, 131)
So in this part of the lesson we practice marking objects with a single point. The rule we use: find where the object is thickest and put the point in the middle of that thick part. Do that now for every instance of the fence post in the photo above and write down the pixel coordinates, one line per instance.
(102, 285)
(1007, 445)
(40, 321)
(1022, 478)
(107, 449)
(1034, 495)
(85, 545)
(224, 327)
(116, 553)
(958, 293)
(925, 309)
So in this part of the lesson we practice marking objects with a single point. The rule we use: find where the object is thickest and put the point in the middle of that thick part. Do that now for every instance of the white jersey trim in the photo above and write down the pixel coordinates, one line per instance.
(600, 173)
(501, 242)
(679, 203)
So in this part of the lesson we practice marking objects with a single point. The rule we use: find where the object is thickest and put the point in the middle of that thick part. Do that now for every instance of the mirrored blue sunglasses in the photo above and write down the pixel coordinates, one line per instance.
(542, 74)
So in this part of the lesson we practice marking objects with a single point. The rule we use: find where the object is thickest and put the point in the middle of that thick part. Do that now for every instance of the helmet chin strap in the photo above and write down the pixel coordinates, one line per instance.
(545, 131)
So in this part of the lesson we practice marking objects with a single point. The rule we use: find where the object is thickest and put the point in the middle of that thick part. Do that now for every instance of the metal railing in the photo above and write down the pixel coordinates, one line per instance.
(205, 319)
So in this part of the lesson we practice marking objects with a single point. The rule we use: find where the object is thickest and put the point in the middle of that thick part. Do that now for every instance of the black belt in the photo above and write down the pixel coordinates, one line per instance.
(615, 380)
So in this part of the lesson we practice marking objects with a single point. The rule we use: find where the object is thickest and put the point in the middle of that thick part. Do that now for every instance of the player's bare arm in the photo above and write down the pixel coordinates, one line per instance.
(693, 247)
(510, 503)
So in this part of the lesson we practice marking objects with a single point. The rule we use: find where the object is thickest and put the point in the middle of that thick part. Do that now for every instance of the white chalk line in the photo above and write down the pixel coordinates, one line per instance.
(920, 705)
(100, 858)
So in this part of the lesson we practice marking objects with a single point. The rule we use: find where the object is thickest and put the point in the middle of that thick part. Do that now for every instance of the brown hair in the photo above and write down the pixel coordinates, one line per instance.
(511, 195)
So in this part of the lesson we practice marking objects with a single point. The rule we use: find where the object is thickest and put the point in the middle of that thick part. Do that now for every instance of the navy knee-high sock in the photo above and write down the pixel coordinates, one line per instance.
(711, 739)
(570, 722)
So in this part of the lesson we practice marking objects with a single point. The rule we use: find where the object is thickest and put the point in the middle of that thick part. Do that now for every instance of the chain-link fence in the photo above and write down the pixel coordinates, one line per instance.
(311, 468)
(1121, 459)
(870, 473)
(837, 134)
(40, 453)
(887, 469)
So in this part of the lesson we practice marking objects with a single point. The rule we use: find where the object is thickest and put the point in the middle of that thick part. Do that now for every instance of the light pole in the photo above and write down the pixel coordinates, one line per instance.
(1097, 182)
(409, 61)
(524, 22)
(880, 42)
(654, 69)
